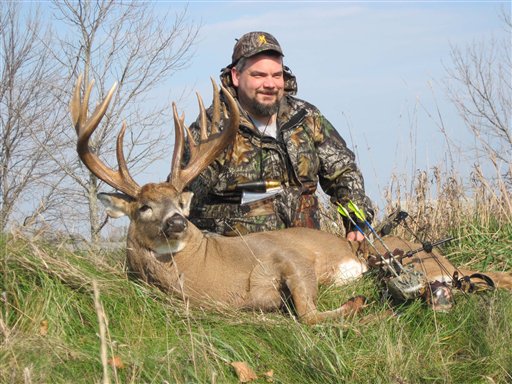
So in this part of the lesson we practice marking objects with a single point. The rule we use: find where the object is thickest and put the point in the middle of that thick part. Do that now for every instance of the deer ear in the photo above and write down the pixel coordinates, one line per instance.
(116, 204)
(185, 200)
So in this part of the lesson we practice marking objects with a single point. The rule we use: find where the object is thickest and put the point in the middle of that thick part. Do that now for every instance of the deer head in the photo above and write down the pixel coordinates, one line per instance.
(157, 211)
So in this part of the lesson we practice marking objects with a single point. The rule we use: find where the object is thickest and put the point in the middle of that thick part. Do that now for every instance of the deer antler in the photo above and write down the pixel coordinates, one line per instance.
(209, 147)
(84, 126)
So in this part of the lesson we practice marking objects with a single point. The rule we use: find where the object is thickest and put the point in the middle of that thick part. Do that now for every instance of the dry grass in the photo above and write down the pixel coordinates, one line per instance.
(438, 202)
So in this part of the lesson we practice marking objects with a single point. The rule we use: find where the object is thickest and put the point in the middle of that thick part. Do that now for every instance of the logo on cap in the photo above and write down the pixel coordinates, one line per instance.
(262, 40)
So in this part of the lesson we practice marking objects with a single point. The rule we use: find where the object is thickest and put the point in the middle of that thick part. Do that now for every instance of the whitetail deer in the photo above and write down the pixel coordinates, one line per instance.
(256, 271)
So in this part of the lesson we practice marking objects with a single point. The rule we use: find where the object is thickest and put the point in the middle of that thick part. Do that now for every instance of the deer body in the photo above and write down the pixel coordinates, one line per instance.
(256, 271)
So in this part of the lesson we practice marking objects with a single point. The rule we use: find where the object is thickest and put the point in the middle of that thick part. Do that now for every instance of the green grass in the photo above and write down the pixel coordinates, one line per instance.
(484, 248)
(159, 339)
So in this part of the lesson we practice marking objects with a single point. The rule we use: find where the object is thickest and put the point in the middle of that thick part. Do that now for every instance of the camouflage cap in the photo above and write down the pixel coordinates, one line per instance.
(253, 43)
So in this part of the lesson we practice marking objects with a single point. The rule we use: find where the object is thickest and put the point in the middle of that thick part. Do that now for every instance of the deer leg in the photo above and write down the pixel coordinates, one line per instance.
(303, 286)
(502, 280)
(437, 267)
(351, 307)
(303, 289)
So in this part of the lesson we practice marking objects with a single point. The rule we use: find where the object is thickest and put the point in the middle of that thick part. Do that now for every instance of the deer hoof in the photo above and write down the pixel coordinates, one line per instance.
(355, 304)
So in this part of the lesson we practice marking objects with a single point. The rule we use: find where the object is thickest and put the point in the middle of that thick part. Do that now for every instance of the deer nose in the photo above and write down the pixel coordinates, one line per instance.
(174, 224)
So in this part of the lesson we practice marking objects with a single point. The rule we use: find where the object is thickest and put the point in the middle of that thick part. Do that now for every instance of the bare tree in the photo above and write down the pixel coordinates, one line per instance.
(29, 117)
(480, 87)
(131, 44)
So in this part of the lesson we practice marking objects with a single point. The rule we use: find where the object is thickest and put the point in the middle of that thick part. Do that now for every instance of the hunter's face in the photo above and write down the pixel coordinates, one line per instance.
(260, 85)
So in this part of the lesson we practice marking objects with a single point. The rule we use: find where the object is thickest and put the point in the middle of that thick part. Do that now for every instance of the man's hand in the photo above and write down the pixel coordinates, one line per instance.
(355, 236)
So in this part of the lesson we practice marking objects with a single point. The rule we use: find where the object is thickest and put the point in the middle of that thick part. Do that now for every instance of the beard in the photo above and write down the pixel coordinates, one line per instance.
(265, 110)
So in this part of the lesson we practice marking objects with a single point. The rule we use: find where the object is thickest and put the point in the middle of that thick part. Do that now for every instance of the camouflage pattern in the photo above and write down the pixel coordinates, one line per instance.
(307, 151)
(253, 43)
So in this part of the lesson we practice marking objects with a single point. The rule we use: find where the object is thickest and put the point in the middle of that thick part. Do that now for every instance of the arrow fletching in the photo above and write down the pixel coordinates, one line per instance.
(357, 211)
(343, 211)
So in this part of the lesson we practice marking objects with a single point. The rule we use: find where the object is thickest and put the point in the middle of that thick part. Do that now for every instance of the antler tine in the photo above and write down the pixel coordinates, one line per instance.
(215, 115)
(179, 138)
(75, 105)
(207, 150)
(234, 117)
(216, 107)
(202, 118)
(84, 126)
(178, 143)
(121, 161)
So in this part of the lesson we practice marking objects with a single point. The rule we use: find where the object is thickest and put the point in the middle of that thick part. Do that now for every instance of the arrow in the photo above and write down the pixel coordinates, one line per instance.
(344, 212)
(361, 216)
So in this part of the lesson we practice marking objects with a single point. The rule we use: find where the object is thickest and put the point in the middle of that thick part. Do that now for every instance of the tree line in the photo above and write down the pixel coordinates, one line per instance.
(42, 182)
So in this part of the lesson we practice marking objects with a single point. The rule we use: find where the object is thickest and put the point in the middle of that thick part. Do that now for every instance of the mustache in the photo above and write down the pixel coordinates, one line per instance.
(268, 93)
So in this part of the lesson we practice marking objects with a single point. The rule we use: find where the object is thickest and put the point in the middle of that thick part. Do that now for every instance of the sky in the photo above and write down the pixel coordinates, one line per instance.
(376, 70)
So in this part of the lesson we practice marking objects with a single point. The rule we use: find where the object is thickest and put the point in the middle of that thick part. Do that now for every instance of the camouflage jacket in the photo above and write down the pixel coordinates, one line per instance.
(307, 151)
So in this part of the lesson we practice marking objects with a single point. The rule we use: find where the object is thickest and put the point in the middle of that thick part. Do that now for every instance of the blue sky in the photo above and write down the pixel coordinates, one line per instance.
(374, 69)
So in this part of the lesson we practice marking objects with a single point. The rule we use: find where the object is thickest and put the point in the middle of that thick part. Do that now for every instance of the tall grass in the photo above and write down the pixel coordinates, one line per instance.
(440, 201)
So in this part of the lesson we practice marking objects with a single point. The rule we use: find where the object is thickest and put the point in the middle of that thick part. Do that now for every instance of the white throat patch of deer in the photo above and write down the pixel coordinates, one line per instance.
(251, 272)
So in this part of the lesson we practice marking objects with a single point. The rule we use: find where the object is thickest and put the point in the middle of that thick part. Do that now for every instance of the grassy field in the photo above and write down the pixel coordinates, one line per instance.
(74, 317)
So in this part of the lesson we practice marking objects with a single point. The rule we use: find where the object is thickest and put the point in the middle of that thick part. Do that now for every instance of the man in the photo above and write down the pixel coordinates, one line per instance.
(283, 141)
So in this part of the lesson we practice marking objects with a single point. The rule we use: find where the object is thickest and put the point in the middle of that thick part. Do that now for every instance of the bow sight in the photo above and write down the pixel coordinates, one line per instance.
(411, 283)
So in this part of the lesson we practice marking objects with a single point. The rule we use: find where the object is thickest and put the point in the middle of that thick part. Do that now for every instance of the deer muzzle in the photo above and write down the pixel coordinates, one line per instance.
(174, 225)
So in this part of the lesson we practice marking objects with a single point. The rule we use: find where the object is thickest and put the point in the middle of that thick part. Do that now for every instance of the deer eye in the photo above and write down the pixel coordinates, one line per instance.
(144, 208)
